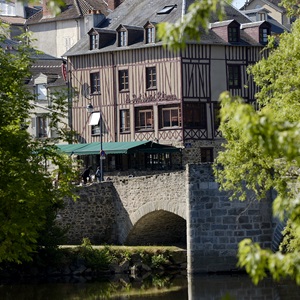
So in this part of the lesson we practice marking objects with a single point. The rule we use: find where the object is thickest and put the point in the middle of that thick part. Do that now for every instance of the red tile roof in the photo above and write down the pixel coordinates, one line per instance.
(73, 9)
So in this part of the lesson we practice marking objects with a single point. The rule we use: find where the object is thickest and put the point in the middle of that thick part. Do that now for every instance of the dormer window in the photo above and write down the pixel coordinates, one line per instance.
(150, 35)
(228, 30)
(263, 35)
(41, 92)
(261, 17)
(94, 41)
(233, 34)
(122, 38)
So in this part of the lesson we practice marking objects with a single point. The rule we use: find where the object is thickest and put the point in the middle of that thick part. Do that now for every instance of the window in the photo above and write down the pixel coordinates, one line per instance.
(122, 38)
(261, 17)
(96, 129)
(234, 76)
(95, 120)
(41, 92)
(41, 126)
(167, 9)
(233, 34)
(150, 35)
(94, 41)
(151, 78)
(144, 118)
(95, 83)
(159, 161)
(123, 80)
(216, 116)
(195, 115)
(170, 117)
(207, 154)
(263, 35)
(125, 120)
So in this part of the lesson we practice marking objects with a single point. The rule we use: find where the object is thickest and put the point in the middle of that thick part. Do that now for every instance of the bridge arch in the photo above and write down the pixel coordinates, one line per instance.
(170, 206)
(159, 227)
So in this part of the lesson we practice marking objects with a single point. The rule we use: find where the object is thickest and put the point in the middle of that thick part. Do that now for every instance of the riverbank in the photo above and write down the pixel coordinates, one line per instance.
(94, 261)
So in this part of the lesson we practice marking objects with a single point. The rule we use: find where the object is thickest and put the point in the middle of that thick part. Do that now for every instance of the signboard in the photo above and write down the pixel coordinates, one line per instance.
(102, 154)
(156, 97)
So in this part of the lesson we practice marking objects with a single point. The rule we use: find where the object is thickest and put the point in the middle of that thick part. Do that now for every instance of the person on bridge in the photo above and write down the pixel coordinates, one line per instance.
(98, 174)
(86, 174)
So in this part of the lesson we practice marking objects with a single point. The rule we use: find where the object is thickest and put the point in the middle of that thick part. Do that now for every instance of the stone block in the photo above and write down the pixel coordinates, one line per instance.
(218, 212)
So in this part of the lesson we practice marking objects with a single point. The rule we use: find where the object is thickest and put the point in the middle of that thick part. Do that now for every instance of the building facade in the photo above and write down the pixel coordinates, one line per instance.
(143, 91)
(47, 83)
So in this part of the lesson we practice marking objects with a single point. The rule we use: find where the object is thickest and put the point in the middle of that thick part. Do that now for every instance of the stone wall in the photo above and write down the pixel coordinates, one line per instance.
(216, 225)
(192, 155)
(107, 212)
(184, 207)
(92, 215)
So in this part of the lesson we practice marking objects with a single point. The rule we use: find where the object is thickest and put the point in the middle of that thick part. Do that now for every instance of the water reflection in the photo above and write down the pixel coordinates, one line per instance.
(239, 287)
(153, 287)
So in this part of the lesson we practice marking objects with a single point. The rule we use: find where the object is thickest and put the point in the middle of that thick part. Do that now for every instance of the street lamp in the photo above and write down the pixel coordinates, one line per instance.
(90, 110)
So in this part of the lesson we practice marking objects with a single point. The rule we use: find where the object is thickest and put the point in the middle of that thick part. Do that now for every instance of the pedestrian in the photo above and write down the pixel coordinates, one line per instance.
(98, 174)
(86, 174)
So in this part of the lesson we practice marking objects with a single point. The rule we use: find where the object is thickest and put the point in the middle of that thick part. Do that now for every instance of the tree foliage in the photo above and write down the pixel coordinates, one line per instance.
(261, 152)
(28, 199)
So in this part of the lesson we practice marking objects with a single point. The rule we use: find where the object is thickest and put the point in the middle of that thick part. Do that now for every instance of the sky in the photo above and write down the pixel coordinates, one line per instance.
(238, 3)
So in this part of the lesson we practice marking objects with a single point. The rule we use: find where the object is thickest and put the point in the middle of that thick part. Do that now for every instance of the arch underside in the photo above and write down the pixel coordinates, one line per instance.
(159, 227)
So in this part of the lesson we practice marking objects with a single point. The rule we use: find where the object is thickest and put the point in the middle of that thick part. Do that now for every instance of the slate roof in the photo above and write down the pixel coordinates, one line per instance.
(73, 9)
(13, 20)
(50, 66)
(138, 13)
(42, 63)
(9, 45)
(276, 27)
(272, 3)
(17, 20)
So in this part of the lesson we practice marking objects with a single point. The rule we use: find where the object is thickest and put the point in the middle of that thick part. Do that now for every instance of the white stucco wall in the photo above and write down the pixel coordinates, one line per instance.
(55, 38)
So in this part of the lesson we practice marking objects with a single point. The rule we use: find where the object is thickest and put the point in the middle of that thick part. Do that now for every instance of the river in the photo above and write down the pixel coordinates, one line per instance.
(210, 287)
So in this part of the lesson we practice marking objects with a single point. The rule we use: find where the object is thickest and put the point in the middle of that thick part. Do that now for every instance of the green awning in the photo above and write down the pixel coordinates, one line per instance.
(117, 148)
(70, 148)
(109, 148)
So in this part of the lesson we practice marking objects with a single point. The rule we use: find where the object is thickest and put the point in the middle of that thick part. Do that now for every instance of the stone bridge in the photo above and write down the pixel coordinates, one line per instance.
(182, 208)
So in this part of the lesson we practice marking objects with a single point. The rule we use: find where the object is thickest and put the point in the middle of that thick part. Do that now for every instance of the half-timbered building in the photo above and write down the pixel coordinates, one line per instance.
(141, 91)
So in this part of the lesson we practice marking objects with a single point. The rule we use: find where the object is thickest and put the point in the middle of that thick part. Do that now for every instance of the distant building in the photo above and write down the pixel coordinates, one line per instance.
(46, 82)
(268, 10)
(15, 13)
(56, 34)
(140, 91)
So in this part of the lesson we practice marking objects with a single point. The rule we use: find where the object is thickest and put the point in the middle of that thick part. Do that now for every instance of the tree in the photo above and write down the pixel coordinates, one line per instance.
(28, 199)
(261, 152)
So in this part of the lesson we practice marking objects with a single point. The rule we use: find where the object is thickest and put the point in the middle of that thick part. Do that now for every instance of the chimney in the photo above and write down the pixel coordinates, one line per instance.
(46, 10)
(20, 8)
(112, 4)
